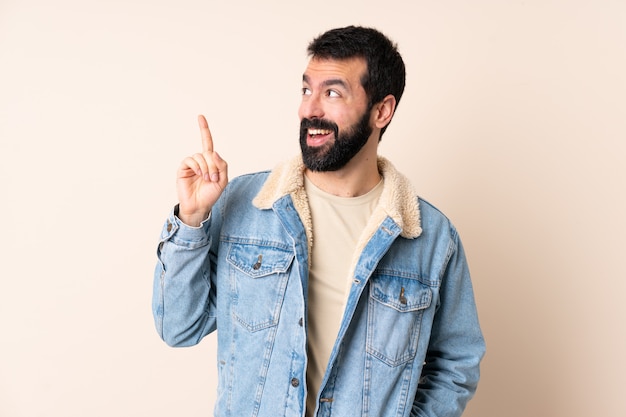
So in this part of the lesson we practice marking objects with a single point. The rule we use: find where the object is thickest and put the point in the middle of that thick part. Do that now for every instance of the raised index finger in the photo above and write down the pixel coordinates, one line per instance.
(207, 139)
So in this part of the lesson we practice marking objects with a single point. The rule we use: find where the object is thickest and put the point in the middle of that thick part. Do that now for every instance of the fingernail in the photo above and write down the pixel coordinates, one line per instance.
(215, 177)
(206, 177)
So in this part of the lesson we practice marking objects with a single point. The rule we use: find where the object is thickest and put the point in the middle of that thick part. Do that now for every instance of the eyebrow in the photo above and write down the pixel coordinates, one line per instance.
(329, 82)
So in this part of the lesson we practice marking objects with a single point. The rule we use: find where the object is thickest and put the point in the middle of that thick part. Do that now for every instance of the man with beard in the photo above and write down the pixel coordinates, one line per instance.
(335, 290)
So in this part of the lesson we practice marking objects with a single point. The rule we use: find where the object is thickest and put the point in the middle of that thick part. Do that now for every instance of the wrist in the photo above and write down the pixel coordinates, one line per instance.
(193, 219)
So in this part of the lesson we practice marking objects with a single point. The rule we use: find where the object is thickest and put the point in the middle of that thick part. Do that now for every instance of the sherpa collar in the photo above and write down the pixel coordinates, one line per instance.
(398, 200)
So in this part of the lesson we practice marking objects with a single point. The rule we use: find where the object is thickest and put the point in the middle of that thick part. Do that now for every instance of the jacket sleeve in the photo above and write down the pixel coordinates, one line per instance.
(183, 298)
(451, 368)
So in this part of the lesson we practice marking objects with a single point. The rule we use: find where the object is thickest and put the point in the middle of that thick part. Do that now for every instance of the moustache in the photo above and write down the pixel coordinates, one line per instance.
(306, 124)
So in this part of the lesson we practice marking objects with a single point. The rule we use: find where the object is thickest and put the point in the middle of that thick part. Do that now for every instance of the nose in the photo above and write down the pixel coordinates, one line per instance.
(311, 107)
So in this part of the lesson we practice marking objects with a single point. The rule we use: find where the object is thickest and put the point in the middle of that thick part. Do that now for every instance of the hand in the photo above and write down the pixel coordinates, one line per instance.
(201, 178)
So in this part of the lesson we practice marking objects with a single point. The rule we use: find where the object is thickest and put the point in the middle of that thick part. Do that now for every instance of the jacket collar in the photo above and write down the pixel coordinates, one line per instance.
(397, 201)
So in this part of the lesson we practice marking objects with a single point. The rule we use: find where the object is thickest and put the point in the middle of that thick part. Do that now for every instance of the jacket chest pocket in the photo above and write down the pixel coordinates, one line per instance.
(396, 306)
(258, 277)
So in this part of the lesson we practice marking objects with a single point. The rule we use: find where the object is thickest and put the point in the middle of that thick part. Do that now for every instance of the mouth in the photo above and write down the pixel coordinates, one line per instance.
(317, 137)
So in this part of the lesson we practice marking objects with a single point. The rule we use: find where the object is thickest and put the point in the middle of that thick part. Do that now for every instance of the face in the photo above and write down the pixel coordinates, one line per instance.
(334, 116)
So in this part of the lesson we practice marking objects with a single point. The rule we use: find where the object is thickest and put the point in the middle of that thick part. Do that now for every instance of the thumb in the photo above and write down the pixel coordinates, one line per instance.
(222, 167)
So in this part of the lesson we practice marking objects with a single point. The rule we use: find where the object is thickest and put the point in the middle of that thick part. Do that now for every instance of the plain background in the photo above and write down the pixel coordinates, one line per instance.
(513, 123)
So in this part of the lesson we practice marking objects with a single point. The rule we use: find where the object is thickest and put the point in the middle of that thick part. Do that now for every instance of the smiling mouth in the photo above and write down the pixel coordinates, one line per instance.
(319, 132)
(319, 137)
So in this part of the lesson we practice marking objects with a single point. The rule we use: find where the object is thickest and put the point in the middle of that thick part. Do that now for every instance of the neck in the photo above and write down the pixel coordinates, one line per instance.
(355, 179)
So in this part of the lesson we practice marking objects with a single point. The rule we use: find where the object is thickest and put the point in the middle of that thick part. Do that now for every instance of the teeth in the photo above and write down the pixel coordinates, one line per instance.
(319, 132)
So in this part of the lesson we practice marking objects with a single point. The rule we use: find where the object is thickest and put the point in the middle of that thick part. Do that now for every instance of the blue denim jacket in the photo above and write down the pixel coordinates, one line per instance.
(409, 342)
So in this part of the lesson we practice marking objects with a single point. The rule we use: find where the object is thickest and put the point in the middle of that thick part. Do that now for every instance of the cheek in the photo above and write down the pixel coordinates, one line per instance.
(342, 116)
(350, 120)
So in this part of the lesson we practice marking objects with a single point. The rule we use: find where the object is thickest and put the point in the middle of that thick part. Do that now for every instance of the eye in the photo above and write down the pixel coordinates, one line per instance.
(306, 91)
(333, 94)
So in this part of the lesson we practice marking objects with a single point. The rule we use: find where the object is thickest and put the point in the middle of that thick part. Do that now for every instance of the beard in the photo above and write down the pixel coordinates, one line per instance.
(333, 156)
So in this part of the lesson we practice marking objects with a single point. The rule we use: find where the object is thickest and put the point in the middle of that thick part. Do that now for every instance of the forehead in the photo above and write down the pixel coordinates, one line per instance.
(349, 70)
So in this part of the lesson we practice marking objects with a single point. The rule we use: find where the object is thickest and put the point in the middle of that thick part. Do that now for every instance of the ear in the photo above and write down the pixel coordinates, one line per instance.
(384, 110)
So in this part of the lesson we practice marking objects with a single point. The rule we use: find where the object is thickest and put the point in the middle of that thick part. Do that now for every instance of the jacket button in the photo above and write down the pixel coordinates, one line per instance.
(169, 226)
(257, 265)
(295, 382)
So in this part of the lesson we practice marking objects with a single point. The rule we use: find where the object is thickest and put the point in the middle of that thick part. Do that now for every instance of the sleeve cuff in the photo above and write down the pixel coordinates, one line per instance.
(181, 234)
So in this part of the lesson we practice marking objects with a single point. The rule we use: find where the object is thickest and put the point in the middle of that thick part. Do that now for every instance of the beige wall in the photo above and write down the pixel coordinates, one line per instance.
(513, 123)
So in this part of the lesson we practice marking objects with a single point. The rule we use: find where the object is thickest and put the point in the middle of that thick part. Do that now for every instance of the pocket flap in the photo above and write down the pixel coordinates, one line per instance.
(402, 294)
(257, 260)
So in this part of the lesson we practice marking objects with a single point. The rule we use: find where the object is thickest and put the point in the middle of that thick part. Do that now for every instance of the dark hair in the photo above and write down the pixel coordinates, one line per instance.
(385, 68)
